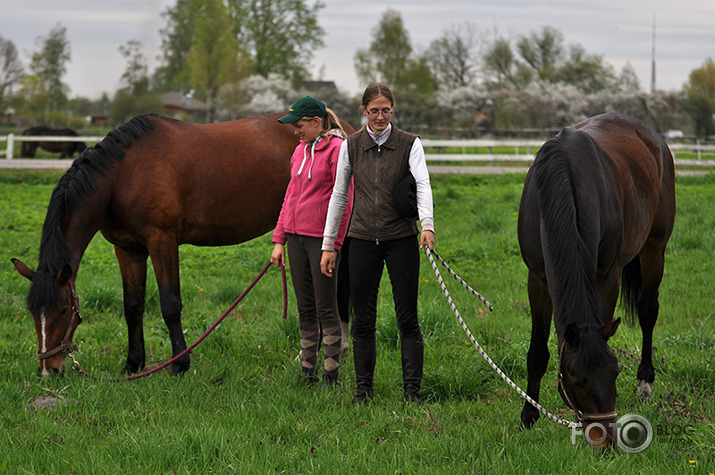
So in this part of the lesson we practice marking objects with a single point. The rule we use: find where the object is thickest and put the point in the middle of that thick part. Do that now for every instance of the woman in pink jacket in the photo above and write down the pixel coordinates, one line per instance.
(300, 228)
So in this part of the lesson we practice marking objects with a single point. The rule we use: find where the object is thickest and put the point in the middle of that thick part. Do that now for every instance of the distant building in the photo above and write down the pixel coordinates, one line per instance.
(98, 119)
(177, 104)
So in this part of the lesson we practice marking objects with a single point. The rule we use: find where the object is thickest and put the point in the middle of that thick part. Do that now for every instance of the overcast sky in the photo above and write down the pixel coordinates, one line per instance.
(618, 30)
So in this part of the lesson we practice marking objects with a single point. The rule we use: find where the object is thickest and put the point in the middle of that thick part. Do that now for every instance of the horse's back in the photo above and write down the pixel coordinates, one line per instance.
(645, 174)
(619, 174)
(630, 141)
(207, 184)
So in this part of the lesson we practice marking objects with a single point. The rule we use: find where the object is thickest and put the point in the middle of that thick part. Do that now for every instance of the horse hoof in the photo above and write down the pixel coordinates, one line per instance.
(180, 367)
(645, 390)
(527, 422)
(132, 368)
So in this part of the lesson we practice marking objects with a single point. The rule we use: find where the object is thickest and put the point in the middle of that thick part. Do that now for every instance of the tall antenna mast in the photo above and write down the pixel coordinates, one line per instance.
(652, 63)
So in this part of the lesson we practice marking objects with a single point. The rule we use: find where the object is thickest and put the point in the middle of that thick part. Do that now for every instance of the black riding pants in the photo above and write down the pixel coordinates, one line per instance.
(366, 262)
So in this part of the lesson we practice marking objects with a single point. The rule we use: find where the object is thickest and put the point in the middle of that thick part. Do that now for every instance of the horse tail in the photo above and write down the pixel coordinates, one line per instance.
(631, 289)
(564, 247)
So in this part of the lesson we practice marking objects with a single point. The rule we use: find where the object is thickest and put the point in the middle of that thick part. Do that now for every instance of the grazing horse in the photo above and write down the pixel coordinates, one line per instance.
(66, 149)
(598, 204)
(149, 186)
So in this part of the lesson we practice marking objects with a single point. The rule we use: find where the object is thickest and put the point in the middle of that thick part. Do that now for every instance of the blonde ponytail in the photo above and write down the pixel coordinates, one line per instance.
(331, 122)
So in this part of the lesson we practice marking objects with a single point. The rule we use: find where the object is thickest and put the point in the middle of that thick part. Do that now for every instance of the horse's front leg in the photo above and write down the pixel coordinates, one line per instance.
(537, 358)
(133, 269)
(165, 259)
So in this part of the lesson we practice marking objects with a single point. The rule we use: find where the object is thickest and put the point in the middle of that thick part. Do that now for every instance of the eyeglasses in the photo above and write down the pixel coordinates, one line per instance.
(375, 112)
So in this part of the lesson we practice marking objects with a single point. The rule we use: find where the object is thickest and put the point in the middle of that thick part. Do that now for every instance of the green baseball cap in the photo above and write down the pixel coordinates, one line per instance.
(304, 107)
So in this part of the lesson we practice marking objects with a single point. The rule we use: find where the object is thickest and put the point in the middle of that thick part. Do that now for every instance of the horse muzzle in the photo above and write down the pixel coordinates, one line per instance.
(600, 429)
(65, 346)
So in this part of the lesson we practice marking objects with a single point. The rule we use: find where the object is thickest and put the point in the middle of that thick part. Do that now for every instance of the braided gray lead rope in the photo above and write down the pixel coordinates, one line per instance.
(539, 407)
(460, 280)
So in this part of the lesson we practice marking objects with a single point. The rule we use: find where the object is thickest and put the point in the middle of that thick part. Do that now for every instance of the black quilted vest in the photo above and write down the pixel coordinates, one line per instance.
(377, 169)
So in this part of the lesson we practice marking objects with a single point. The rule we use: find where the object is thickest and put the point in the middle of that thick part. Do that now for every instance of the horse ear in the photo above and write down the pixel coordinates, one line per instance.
(571, 335)
(609, 329)
(64, 274)
(23, 269)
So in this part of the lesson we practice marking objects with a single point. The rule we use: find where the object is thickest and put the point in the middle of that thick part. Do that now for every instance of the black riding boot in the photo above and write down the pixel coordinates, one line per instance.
(412, 362)
(364, 355)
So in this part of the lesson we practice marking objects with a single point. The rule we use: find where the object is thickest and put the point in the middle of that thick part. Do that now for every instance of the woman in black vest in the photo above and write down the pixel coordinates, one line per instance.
(383, 232)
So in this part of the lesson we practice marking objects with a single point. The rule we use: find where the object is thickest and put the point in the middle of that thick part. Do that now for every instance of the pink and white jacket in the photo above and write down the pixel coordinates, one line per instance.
(305, 206)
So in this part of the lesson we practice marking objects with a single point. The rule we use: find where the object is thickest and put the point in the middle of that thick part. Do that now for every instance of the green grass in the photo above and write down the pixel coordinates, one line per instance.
(240, 408)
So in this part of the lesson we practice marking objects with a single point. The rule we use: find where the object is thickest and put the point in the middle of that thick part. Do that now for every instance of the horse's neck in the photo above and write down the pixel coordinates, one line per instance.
(78, 238)
(81, 224)
(568, 250)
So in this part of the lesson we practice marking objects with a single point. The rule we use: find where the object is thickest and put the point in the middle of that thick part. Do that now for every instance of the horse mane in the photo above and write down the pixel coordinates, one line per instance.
(74, 186)
(592, 346)
(575, 290)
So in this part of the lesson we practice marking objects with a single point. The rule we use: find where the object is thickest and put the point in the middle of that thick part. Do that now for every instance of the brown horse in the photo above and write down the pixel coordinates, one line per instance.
(65, 149)
(149, 186)
(598, 204)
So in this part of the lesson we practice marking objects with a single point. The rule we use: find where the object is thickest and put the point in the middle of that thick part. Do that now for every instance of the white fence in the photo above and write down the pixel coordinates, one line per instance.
(519, 145)
(533, 146)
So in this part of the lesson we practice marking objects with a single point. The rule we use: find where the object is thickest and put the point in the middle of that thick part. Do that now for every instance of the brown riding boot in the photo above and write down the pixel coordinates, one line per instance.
(332, 337)
(309, 354)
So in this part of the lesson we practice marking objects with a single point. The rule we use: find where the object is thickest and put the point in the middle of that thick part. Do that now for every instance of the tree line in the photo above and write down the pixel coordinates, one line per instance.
(246, 57)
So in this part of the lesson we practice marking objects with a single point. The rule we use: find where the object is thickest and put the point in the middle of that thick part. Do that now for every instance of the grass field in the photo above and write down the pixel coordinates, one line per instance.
(241, 408)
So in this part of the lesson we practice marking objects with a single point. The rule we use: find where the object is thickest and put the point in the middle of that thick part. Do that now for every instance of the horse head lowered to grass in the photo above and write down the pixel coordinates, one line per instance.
(149, 186)
(65, 149)
(596, 212)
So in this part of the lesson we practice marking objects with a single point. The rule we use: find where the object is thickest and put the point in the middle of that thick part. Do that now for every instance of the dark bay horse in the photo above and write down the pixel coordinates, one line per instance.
(149, 186)
(65, 149)
(598, 205)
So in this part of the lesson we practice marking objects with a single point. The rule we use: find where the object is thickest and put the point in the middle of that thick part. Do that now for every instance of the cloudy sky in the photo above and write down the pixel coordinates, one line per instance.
(618, 30)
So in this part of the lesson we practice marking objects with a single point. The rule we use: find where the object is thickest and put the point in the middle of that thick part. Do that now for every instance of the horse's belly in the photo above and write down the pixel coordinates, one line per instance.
(222, 236)
(230, 228)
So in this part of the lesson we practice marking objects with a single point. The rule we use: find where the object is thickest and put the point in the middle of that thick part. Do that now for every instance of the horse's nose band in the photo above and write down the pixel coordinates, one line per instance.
(65, 345)
(581, 416)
